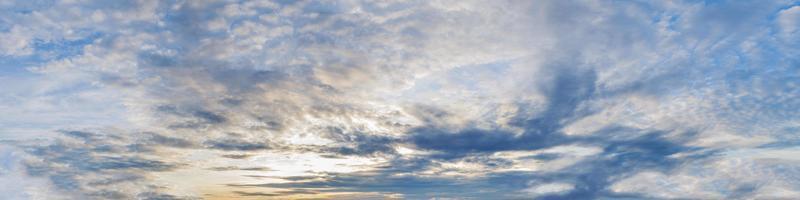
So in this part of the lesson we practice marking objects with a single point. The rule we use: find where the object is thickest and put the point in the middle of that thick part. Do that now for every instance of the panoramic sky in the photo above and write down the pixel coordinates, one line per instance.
(421, 99)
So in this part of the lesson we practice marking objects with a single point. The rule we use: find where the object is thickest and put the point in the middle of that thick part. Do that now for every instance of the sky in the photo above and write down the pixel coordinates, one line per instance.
(420, 99)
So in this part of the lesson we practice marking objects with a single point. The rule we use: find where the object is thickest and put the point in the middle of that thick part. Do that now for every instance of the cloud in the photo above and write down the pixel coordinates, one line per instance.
(236, 145)
(550, 188)
(237, 156)
(98, 163)
(281, 193)
(418, 100)
(237, 168)
(563, 96)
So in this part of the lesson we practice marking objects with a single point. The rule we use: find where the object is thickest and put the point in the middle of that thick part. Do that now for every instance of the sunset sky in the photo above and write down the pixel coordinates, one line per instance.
(420, 99)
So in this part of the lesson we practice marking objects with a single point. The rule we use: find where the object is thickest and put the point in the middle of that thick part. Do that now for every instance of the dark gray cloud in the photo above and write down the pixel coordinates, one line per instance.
(192, 118)
(237, 156)
(592, 177)
(359, 182)
(236, 145)
(359, 143)
(565, 94)
(277, 194)
(98, 163)
(235, 168)
(168, 141)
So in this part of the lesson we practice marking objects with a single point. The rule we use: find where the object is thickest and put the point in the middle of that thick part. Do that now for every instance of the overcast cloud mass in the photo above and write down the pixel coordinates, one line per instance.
(399, 99)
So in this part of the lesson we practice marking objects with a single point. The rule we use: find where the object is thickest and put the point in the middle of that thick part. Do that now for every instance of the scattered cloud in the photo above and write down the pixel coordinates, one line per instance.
(399, 99)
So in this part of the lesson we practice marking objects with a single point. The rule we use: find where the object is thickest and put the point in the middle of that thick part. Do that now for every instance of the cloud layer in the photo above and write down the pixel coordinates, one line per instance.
(407, 99)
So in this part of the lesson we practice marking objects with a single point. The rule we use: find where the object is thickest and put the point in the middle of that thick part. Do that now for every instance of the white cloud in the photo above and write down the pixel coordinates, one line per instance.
(16, 42)
(789, 21)
(549, 188)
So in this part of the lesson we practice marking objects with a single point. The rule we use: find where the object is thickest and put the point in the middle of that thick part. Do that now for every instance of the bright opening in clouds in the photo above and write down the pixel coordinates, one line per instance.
(399, 99)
